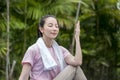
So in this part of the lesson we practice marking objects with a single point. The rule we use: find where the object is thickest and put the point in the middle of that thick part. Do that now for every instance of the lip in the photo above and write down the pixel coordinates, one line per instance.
(54, 33)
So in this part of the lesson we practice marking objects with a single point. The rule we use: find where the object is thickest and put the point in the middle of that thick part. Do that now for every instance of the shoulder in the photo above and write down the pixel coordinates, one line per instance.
(63, 48)
(64, 51)
(32, 50)
(33, 47)
(31, 55)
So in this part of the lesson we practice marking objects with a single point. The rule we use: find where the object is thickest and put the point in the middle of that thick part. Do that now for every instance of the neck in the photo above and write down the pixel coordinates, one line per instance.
(48, 42)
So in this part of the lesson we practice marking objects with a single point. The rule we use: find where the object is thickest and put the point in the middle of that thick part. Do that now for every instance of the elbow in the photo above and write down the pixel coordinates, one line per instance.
(79, 63)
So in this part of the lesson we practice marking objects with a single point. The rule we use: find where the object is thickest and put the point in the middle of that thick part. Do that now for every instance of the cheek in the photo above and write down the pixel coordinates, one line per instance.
(46, 31)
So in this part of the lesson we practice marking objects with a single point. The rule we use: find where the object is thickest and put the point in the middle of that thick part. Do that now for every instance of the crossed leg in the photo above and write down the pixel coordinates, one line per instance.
(71, 73)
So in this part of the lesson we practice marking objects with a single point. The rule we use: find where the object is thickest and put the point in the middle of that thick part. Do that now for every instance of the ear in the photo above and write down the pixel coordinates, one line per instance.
(41, 29)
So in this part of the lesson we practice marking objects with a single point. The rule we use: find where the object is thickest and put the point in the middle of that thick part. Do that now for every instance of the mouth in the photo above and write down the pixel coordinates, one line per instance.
(54, 33)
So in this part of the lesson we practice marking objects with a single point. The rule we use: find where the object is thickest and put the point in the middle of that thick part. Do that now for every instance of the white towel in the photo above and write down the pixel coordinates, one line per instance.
(48, 60)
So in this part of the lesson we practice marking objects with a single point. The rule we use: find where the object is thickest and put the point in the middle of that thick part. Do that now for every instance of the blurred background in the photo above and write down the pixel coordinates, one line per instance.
(100, 33)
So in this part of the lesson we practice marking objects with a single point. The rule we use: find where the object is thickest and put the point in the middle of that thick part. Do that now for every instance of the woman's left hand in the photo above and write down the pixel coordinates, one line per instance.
(77, 30)
(77, 59)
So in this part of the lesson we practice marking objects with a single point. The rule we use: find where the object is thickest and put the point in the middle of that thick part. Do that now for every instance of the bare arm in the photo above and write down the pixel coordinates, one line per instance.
(25, 72)
(77, 59)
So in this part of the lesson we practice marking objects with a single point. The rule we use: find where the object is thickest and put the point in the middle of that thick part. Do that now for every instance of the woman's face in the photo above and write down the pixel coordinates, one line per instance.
(50, 28)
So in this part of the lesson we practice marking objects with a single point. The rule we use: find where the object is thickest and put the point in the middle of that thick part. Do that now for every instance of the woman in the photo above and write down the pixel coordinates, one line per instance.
(45, 59)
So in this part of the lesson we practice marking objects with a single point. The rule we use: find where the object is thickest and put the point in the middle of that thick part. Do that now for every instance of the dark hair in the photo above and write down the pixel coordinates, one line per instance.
(42, 22)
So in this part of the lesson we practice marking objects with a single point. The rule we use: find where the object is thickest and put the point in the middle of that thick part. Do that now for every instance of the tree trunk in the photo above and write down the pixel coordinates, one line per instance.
(8, 50)
(25, 21)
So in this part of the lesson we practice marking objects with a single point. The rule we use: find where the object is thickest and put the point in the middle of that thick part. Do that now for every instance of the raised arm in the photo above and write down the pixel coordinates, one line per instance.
(78, 52)
(77, 59)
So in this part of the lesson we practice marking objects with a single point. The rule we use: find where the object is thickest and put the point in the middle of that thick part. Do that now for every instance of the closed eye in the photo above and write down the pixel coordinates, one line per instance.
(50, 25)
(56, 26)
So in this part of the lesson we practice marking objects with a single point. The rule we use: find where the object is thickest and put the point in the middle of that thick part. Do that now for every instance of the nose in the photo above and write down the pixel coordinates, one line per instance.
(55, 28)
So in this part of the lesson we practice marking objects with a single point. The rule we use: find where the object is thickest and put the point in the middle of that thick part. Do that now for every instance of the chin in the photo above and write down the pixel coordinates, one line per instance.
(53, 37)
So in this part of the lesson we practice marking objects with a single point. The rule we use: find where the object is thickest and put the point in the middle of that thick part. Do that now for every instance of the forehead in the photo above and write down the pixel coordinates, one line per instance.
(50, 20)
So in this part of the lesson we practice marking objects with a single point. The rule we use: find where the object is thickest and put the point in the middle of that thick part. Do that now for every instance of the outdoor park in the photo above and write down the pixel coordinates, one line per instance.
(99, 33)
